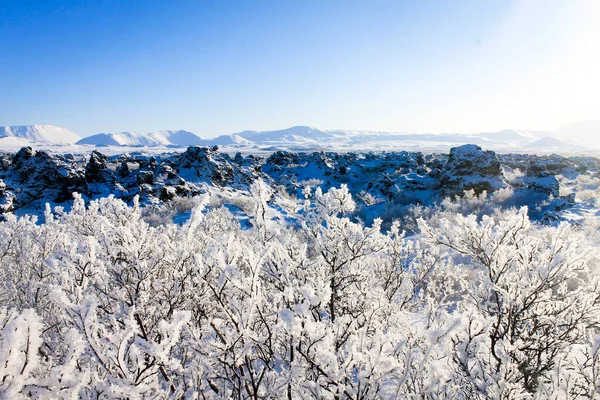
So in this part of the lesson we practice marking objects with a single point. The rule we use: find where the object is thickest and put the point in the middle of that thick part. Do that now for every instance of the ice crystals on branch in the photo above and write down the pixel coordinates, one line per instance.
(99, 304)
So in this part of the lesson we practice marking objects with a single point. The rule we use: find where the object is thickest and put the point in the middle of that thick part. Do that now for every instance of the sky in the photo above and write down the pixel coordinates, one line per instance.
(218, 67)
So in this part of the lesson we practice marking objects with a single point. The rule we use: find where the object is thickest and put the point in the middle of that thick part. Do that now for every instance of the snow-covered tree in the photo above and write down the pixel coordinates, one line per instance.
(303, 301)
(528, 298)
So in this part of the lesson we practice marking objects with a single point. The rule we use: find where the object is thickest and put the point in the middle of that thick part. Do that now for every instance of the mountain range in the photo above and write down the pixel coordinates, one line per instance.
(39, 133)
(297, 138)
(179, 138)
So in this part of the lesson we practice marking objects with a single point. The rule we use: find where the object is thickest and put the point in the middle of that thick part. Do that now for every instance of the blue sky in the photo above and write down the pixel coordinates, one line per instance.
(216, 67)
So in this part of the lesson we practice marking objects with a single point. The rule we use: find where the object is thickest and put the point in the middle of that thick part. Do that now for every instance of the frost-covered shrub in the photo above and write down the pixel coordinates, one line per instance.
(311, 182)
(98, 303)
(162, 214)
(585, 186)
(528, 305)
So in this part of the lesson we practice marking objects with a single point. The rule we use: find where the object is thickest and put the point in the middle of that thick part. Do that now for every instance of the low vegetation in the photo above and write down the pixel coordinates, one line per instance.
(478, 304)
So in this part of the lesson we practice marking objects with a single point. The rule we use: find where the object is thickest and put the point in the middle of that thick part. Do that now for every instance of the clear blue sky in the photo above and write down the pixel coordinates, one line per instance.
(216, 67)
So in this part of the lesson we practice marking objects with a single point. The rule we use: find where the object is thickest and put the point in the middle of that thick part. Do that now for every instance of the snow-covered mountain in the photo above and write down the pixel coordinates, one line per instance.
(305, 138)
(179, 138)
(120, 139)
(176, 138)
(514, 137)
(295, 134)
(418, 137)
(555, 144)
(227, 140)
(504, 139)
(583, 131)
(308, 137)
(40, 133)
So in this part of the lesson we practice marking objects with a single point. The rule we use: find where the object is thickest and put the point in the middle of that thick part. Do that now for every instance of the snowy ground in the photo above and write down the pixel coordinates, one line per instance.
(12, 145)
(297, 138)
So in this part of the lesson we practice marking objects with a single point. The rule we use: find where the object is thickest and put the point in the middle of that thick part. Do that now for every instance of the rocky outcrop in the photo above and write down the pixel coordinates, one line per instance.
(38, 174)
(399, 178)
(208, 165)
(539, 172)
(470, 159)
(6, 199)
(282, 158)
(97, 171)
(471, 168)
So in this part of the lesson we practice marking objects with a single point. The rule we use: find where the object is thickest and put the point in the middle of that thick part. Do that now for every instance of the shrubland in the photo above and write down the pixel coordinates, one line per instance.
(478, 303)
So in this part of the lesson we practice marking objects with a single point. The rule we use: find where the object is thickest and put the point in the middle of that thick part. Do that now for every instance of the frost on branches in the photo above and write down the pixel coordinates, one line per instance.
(97, 304)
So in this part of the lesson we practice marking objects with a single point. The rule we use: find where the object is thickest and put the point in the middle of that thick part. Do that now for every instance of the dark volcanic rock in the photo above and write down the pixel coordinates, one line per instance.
(470, 167)
(471, 160)
(5, 162)
(42, 175)
(96, 169)
(208, 164)
(283, 158)
(122, 170)
(217, 168)
(145, 177)
(397, 178)
(542, 167)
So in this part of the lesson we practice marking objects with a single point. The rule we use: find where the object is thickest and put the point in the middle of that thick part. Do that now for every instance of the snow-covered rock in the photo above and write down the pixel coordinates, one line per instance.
(470, 167)
(209, 165)
(384, 182)
(36, 175)
(99, 178)
(470, 159)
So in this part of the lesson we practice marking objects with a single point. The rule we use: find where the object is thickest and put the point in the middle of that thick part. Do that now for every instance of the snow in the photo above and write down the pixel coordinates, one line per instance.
(11, 143)
(556, 144)
(380, 312)
(40, 133)
(285, 281)
(588, 131)
(121, 139)
(304, 138)
(579, 212)
(100, 139)
(517, 138)
(294, 134)
(180, 138)
(468, 149)
(227, 140)
(297, 138)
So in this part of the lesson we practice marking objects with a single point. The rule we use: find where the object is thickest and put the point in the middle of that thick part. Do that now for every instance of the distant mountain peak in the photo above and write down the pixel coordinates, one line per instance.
(556, 143)
(299, 133)
(40, 133)
(308, 138)
(180, 138)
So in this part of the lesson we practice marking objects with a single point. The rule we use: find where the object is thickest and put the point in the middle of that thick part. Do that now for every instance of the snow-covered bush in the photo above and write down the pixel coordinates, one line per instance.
(586, 188)
(97, 303)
